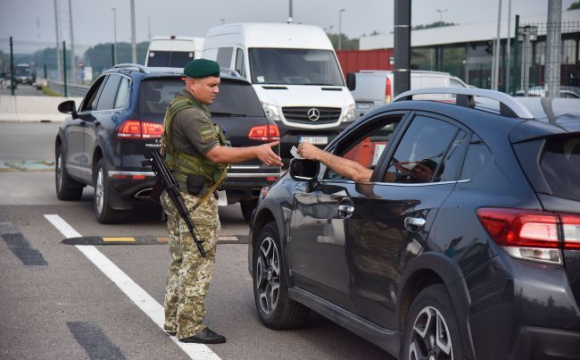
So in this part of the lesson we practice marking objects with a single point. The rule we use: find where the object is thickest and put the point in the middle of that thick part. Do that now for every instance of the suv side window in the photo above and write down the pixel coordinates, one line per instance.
(90, 100)
(224, 57)
(107, 98)
(367, 145)
(478, 156)
(419, 157)
(122, 93)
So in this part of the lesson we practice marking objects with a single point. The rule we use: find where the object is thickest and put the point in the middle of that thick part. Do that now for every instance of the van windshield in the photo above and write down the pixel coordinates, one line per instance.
(169, 58)
(294, 67)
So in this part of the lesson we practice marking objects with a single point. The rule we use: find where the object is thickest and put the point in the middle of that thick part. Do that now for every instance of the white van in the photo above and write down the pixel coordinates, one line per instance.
(373, 88)
(173, 51)
(295, 73)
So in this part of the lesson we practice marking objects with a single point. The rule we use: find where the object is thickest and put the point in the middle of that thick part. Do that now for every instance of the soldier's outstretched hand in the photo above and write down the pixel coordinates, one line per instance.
(265, 154)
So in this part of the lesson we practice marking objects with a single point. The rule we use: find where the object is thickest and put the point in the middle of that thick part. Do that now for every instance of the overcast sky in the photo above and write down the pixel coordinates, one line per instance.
(34, 20)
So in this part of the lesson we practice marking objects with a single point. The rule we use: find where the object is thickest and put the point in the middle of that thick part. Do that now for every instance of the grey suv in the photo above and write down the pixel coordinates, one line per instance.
(476, 258)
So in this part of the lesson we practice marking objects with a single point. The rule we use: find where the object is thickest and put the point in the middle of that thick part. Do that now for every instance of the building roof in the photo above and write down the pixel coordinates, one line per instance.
(462, 33)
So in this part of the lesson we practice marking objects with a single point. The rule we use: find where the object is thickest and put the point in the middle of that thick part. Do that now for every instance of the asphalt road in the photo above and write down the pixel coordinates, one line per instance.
(61, 301)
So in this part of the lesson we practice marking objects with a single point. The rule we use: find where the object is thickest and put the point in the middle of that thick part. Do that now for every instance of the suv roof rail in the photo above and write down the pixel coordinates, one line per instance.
(139, 67)
(508, 106)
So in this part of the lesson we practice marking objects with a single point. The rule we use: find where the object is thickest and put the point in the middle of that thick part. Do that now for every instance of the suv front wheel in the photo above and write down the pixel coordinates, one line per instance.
(275, 309)
(431, 331)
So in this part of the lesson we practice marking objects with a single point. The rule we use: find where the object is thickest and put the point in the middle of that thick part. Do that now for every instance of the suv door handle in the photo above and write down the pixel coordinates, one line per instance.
(345, 208)
(414, 224)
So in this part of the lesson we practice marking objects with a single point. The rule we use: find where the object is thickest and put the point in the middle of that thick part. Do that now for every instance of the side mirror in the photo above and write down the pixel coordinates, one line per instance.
(68, 107)
(303, 169)
(351, 81)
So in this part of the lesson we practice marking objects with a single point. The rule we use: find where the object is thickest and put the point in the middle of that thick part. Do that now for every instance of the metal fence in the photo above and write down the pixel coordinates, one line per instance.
(531, 68)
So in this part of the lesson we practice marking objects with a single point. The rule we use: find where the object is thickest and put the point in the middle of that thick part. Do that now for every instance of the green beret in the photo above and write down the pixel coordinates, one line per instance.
(200, 68)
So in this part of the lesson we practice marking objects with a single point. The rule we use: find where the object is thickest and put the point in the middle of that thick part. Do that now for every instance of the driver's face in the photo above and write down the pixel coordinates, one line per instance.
(421, 172)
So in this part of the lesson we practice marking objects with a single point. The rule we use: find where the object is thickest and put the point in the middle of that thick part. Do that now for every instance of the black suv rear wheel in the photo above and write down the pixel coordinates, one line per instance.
(275, 309)
(431, 331)
(248, 207)
(66, 187)
(103, 211)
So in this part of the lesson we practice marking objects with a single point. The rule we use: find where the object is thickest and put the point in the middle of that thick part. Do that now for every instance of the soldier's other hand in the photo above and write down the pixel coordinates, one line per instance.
(265, 154)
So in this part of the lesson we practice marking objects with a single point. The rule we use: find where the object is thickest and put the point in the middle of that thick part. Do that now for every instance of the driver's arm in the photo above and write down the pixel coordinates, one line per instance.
(344, 167)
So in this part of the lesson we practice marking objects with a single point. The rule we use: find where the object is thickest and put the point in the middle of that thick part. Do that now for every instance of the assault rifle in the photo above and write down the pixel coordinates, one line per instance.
(165, 180)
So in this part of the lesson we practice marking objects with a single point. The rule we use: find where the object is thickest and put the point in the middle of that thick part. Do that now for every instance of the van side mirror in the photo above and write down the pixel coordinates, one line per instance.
(351, 81)
(303, 169)
(68, 107)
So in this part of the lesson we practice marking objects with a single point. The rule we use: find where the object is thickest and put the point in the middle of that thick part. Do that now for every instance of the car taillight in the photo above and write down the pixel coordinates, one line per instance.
(264, 133)
(388, 91)
(136, 129)
(571, 231)
(532, 235)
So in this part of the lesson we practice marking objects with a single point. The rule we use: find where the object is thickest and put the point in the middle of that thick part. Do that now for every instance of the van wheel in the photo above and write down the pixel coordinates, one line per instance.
(275, 308)
(103, 211)
(431, 330)
(66, 187)
(248, 207)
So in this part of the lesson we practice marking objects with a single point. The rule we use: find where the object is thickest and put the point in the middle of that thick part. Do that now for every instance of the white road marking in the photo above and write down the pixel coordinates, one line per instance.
(139, 296)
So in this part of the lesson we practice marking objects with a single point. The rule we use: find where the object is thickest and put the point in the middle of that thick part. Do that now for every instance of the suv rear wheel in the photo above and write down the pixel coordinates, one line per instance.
(103, 211)
(66, 187)
(275, 309)
(431, 331)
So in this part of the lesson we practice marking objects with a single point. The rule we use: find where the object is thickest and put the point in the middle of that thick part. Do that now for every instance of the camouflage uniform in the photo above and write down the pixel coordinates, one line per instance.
(190, 274)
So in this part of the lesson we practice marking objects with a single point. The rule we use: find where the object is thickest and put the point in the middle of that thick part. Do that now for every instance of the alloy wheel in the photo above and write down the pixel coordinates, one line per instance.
(431, 339)
(268, 275)
(59, 179)
(100, 191)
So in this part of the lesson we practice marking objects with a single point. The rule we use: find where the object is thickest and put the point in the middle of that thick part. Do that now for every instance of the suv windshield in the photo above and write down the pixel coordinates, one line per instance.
(294, 67)
(560, 165)
(234, 98)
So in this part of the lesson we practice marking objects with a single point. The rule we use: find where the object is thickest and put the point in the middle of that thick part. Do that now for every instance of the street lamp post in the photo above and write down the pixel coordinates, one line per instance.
(340, 28)
(441, 15)
(114, 35)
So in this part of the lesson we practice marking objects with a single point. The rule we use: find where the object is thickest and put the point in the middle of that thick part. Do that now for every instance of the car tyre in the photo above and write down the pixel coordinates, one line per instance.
(431, 330)
(248, 207)
(103, 211)
(66, 187)
(275, 308)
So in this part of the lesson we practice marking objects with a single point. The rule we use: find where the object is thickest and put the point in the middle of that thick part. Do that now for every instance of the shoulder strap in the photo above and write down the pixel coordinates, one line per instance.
(211, 190)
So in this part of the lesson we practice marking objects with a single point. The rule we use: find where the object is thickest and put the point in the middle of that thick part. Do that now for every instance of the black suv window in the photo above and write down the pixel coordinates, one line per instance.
(560, 164)
(90, 100)
(366, 145)
(478, 156)
(234, 99)
(155, 94)
(420, 154)
(107, 98)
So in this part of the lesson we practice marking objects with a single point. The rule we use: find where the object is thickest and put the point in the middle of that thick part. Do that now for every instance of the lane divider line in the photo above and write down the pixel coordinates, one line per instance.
(139, 296)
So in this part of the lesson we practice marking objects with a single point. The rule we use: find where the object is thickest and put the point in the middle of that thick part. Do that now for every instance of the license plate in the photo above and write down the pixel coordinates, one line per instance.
(364, 106)
(316, 140)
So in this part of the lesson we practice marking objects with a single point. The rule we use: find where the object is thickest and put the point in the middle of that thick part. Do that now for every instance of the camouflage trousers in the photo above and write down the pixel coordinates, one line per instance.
(189, 274)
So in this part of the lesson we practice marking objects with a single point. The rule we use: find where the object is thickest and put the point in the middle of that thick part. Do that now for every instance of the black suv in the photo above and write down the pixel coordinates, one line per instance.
(475, 256)
(120, 120)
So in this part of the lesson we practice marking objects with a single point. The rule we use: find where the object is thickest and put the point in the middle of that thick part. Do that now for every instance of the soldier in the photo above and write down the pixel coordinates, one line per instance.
(197, 155)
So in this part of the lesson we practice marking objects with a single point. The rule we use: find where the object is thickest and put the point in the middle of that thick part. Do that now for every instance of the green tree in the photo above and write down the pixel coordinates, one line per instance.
(574, 6)
(100, 56)
(347, 44)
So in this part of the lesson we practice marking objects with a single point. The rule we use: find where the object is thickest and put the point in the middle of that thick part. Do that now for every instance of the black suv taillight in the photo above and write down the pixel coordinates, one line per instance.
(264, 133)
(137, 129)
(532, 235)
